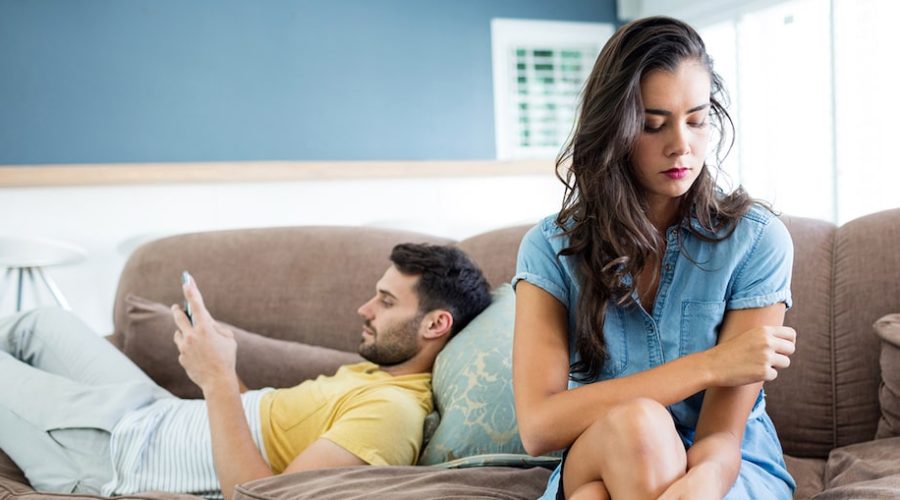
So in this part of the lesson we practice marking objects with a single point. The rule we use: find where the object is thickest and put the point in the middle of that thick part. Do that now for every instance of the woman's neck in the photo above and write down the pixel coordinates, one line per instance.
(663, 212)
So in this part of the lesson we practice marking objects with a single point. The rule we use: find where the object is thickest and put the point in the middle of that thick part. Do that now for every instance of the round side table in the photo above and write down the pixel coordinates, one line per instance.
(29, 256)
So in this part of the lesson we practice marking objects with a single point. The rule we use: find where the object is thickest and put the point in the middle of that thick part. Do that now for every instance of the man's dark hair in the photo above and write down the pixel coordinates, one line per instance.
(448, 279)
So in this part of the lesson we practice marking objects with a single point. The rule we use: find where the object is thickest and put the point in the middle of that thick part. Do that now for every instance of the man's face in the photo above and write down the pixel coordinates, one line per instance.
(392, 323)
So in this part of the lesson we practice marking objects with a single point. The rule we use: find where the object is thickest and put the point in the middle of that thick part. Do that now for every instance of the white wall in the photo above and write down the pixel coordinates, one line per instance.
(108, 222)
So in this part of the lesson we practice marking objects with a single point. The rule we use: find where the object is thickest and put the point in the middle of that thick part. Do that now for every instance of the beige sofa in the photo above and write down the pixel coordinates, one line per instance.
(304, 284)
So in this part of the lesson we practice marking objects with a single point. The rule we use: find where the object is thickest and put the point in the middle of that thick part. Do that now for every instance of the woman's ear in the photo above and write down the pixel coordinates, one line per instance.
(438, 323)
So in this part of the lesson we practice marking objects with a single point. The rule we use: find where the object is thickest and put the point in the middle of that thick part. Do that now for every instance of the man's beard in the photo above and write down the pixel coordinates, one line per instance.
(392, 346)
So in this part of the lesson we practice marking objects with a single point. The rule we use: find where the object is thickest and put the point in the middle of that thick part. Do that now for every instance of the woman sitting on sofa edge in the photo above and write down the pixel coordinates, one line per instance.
(649, 309)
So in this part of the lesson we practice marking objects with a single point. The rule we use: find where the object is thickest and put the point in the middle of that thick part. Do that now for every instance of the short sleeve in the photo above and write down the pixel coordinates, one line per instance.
(538, 263)
(764, 278)
(381, 428)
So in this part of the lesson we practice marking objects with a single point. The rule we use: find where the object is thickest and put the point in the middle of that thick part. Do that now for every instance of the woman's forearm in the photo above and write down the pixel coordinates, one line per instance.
(553, 422)
(721, 450)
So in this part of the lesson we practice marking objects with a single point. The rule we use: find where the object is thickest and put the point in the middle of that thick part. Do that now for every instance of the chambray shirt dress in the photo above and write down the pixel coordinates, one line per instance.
(700, 281)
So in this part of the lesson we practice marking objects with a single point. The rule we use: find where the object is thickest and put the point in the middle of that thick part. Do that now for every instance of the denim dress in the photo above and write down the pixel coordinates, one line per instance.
(700, 281)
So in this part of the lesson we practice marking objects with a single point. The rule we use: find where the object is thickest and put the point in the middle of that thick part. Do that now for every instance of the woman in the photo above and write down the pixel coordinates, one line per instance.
(649, 310)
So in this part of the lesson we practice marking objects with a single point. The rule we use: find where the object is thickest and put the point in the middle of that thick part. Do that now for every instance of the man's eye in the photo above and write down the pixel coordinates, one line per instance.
(387, 303)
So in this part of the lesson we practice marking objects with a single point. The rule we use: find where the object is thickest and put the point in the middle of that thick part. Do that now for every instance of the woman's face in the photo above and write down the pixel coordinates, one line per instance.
(670, 151)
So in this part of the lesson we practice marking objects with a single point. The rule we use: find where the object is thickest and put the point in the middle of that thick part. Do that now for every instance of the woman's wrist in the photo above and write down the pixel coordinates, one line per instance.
(704, 368)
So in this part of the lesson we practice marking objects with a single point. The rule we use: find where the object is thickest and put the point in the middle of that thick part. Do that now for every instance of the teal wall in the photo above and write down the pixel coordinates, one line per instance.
(93, 81)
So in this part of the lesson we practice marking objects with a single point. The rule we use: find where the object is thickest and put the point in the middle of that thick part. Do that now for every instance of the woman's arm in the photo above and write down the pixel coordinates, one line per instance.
(551, 418)
(715, 458)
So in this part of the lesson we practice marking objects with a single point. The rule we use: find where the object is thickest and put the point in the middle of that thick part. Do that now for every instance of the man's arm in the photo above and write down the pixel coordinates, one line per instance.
(208, 355)
(322, 454)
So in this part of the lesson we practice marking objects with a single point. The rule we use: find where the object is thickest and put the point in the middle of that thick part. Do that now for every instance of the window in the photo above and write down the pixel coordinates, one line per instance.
(812, 84)
(539, 70)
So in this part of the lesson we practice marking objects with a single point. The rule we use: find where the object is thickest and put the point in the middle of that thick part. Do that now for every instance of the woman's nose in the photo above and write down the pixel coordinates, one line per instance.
(678, 144)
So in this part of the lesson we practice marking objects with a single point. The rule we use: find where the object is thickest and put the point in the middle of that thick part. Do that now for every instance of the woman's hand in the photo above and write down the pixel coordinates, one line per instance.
(700, 483)
(755, 355)
(208, 353)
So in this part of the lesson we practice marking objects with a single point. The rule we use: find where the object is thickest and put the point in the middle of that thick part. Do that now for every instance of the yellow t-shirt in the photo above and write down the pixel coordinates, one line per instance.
(366, 411)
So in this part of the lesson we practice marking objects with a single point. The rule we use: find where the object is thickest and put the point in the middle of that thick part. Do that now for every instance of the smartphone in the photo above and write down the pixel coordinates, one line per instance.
(185, 279)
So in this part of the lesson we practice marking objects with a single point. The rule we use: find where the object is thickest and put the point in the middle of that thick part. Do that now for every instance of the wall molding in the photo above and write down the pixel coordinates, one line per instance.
(259, 171)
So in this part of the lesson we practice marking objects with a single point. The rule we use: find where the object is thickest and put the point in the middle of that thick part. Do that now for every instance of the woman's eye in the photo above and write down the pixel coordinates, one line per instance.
(651, 129)
(697, 124)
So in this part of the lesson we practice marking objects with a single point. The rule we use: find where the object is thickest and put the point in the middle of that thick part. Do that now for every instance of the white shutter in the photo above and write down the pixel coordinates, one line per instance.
(539, 70)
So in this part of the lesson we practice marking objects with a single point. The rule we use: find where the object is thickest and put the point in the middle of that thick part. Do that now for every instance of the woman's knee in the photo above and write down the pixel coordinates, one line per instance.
(635, 428)
(641, 429)
(637, 417)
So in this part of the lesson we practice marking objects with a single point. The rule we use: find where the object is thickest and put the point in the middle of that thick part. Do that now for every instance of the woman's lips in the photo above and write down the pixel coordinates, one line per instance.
(676, 173)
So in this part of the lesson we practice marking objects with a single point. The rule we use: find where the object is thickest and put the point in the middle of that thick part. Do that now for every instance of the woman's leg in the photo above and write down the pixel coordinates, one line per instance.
(633, 451)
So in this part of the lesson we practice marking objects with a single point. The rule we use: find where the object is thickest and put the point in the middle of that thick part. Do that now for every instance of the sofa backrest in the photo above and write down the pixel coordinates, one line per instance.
(303, 284)
(801, 400)
(866, 286)
(306, 283)
(843, 280)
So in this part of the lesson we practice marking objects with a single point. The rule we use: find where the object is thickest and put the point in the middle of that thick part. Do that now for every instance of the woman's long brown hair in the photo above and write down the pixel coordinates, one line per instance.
(604, 213)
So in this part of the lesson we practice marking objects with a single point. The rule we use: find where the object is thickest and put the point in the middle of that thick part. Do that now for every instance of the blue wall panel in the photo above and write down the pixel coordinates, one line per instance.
(92, 81)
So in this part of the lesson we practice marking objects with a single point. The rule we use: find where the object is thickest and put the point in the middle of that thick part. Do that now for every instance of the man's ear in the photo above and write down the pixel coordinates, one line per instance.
(438, 323)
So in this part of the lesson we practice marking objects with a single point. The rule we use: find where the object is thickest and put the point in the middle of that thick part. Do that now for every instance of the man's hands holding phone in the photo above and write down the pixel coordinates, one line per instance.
(208, 352)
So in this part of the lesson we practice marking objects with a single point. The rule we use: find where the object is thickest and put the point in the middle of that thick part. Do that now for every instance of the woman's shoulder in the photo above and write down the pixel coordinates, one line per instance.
(761, 223)
(759, 233)
(547, 229)
(759, 214)
(755, 221)
(546, 241)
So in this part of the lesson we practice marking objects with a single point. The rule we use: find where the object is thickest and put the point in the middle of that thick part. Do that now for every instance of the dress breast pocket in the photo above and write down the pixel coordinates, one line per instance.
(700, 322)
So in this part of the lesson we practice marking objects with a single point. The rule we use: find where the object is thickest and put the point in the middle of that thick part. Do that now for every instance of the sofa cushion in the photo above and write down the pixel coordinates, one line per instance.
(864, 470)
(809, 474)
(14, 485)
(398, 483)
(261, 361)
(888, 328)
(473, 388)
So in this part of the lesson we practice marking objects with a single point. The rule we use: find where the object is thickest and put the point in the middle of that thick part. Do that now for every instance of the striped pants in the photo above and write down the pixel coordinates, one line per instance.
(62, 390)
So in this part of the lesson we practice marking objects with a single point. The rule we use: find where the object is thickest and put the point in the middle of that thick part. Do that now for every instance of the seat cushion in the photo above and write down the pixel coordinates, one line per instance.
(808, 473)
(864, 469)
(888, 329)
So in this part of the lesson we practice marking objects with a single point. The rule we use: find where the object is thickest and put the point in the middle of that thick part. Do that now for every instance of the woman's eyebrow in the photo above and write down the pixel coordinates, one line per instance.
(664, 112)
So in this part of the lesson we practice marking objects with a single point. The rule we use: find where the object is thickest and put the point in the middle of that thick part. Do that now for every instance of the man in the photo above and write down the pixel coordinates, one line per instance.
(77, 415)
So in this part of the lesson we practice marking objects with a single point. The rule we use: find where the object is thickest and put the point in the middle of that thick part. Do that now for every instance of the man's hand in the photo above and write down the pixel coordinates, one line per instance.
(208, 353)
(753, 356)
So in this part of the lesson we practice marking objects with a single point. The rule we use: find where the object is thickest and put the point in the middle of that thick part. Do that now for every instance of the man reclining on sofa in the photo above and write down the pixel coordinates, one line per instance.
(77, 415)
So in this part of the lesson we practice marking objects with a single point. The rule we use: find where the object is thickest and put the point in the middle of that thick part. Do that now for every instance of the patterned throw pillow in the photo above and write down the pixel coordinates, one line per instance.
(473, 388)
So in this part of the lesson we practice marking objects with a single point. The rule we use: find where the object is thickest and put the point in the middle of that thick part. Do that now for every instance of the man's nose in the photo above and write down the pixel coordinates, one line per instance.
(365, 311)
